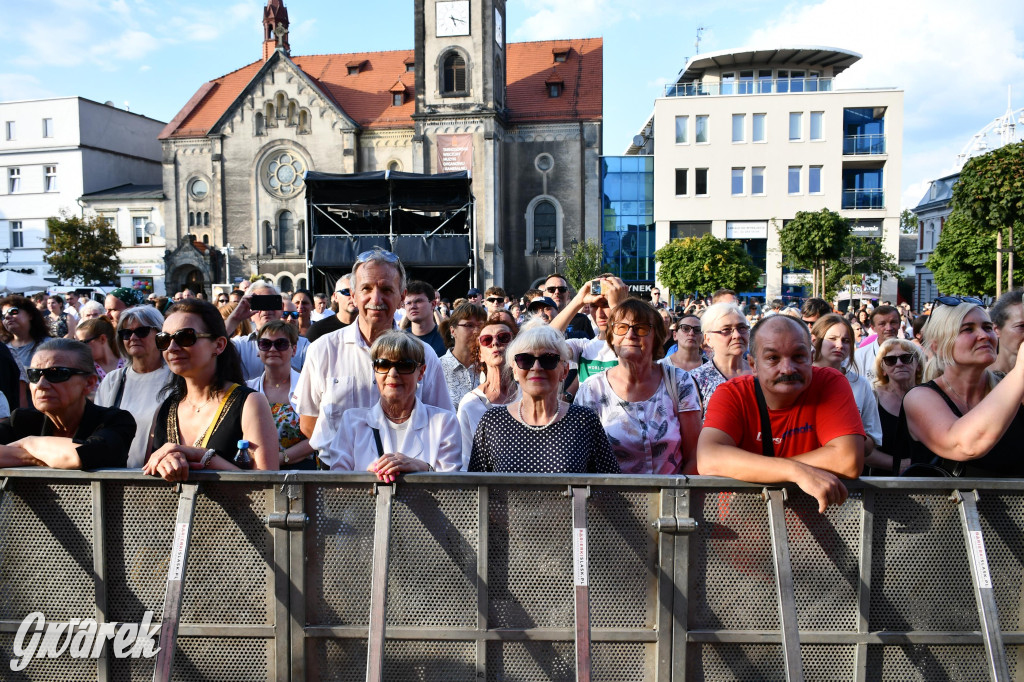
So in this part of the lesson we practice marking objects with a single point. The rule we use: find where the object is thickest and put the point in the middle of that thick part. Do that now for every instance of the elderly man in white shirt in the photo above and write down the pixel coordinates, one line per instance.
(252, 366)
(338, 371)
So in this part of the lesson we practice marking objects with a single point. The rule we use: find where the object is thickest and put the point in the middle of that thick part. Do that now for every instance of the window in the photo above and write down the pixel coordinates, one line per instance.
(206, 219)
(794, 179)
(285, 233)
(759, 131)
(544, 227)
(561, 55)
(682, 132)
(139, 229)
(701, 182)
(454, 74)
(198, 188)
(410, 67)
(814, 180)
(764, 81)
(397, 99)
(10, 130)
(353, 70)
(191, 219)
(737, 181)
(17, 235)
(681, 181)
(796, 124)
(283, 174)
(746, 84)
(816, 125)
(47, 127)
(738, 121)
(702, 130)
(728, 83)
(757, 180)
(554, 89)
(50, 178)
(13, 180)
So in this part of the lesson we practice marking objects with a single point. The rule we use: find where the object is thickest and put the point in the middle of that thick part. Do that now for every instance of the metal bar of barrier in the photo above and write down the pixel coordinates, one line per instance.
(867, 530)
(482, 552)
(99, 568)
(984, 595)
(379, 584)
(282, 585)
(297, 595)
(679, 587)
(581, 580)
(784, 585)
(666, 605)
(175, 582)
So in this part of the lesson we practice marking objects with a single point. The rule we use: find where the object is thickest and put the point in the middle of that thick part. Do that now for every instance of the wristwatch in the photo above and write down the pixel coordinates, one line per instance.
(207, 456)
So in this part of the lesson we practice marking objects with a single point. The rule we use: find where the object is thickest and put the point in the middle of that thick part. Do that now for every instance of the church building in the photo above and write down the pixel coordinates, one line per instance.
(524, 119)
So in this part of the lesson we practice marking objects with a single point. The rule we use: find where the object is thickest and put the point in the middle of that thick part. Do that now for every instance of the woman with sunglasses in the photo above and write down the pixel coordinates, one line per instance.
(962, 419)
(649, 410)
(459, 364)
(101, 338)
(498, 387)
(539, 433)
(63, 429)
(689, 342)
(832, 337)
(400, 433)
(207, 411)
(276, 341)
(727, 334)
(24, 328)
(898, 368)
(136, 387)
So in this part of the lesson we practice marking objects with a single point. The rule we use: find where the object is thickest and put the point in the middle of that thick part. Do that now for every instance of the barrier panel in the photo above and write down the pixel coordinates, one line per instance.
(320, 576)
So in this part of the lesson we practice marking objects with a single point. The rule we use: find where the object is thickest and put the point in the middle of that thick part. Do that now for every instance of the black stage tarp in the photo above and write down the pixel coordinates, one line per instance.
(390, 189)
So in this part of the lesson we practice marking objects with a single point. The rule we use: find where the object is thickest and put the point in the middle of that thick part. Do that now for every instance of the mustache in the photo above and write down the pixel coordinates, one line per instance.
(793, 378)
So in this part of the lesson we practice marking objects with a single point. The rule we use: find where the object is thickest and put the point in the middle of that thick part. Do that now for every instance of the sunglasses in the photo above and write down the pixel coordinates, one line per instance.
(905, 358)
(377, 254)
(383, 366)
(495, 299)
(502, 337)
(55, 375)
(140, 332)
(222, 300)
(343, 292)
(183, 337)
(957, 300)
(294, 314)
(622, 328)
(276, 344)
(727, 331)
(91, 339)
(11, 312)
(548, 361)
(688, 329)
(560, 290)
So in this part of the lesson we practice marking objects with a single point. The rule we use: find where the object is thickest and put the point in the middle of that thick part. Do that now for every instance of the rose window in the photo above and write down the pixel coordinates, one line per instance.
(283, 174)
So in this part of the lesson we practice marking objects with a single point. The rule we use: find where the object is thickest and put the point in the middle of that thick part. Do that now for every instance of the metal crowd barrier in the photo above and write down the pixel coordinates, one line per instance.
(320, 576)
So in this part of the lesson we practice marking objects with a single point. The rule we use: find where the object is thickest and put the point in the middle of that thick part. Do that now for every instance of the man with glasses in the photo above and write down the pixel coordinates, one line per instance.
(473, 296)
(656, 298)
(787, 422)
(248, 350)
(885, 321)
(342, 297)
(812, 309)
(419, 313)
(557, 290)
(494, 300)
(338, 373)
(222, 299)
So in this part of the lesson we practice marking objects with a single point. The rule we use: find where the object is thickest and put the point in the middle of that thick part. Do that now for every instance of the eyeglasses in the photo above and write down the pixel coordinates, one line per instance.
(125, 334)
(688, 329)
(383, 366)
(957, 300)
(222, 300)
(503, 338)
(469, 326)
(560, 290)
(343, 292)
(91, 339)
(905, 358)
(728, 331)
(183, 337)
(294, 314)
(622, 328)
(377, 254)
(55, 375)
(495, 299)
(548, 361)
(11, 312)
(276, 344)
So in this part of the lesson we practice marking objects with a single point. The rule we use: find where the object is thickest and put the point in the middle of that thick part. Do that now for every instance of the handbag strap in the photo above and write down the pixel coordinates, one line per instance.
(120, 388)
(767, 443)
(376, 439)
(204, 440)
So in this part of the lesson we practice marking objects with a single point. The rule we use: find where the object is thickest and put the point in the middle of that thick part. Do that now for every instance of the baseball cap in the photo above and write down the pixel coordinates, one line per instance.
(541, 302)
(473, 292)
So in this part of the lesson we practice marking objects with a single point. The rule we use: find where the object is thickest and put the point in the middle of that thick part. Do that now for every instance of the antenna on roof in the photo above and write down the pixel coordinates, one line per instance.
(696, 43)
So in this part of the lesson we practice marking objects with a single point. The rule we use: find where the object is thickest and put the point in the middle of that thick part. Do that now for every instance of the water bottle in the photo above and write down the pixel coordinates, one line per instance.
(242, 459)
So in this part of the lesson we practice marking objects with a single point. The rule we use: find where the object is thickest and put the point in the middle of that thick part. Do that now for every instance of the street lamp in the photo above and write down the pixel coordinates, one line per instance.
(257, 259)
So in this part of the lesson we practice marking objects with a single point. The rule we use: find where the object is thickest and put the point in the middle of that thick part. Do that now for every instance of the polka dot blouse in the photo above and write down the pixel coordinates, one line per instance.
(576, 443)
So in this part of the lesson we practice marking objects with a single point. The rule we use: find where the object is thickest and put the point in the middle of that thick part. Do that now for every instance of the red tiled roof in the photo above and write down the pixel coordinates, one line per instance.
(366, 96)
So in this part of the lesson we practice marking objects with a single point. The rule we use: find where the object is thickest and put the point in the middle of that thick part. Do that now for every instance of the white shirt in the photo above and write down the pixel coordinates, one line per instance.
(867, 405)
(432, 435)
(252, 366)
(141, 397)
(314, 316)
(257, 385)
(471, 409)
(865, 358)
(338, 376)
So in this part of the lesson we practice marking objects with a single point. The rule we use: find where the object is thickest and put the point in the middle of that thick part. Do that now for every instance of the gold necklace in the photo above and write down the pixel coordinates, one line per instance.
(957, 394)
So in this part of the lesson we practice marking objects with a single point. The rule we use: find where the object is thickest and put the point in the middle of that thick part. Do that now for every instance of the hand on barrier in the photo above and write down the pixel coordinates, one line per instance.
(170, 462)
(822, 485)
(388, 466)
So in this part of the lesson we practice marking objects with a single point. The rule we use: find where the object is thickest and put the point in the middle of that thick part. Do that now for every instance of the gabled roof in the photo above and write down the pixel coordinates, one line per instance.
(366, 97)
(128, 191)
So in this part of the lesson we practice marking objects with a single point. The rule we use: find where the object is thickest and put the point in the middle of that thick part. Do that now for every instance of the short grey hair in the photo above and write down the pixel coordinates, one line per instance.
(377, 255)
(713, 313)
(81, 352)
(398, 345)
(347, 277)
(261, 285)
(145, 315)
(537, 335)
(92, 306)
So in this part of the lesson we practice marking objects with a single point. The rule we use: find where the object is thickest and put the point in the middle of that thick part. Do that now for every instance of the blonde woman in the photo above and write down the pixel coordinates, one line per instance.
(898, 368)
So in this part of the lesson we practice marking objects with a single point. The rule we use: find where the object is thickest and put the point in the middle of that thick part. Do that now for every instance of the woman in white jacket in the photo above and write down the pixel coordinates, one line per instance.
(399, 433)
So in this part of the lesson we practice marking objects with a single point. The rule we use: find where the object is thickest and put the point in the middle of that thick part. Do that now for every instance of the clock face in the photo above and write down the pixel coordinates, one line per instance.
(452, 18)
(499, 30)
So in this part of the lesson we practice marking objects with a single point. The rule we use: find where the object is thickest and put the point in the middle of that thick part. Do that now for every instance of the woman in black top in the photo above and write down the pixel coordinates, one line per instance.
(898, 368)
(962, 416)
(64, 430)
(209, 408)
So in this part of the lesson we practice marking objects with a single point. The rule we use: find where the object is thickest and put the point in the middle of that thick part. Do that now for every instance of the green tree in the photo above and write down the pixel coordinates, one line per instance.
(583, 263)
(812, 240)
(908, 222)
(82, 251)
(962, 260)
(869, 258)
(704, 265)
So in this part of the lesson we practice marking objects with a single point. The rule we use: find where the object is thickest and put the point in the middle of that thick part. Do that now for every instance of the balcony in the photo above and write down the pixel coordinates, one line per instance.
(856, 145)
(863, 198)
(760, 86)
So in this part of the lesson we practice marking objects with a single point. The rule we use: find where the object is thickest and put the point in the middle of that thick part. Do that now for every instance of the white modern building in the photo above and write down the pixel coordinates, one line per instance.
(744, 139)
(54, 151)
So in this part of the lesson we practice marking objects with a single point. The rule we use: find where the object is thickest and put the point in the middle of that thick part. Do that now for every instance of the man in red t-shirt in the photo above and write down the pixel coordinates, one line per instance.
(816, 428)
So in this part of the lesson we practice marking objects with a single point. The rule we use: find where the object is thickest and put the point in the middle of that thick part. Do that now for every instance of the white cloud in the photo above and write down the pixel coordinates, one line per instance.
(16, 86)
(549, 19)
(302, 33)
(131, 45)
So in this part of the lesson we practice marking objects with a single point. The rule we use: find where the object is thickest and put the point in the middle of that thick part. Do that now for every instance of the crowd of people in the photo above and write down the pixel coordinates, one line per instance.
(385, 375)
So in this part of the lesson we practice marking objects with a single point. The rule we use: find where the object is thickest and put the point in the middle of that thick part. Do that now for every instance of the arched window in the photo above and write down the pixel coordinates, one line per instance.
(260, 126)
(300, 283)
(303, 121)
(285, 233)
(206, 239)
(206, 219)
(454, 73)
(284, 285)
(191, 219)
(293, 113)
(269, 114)
(545, 227)
(281, 111)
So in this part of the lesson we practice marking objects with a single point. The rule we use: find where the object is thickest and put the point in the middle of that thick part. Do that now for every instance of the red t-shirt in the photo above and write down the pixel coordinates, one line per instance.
(824, 411)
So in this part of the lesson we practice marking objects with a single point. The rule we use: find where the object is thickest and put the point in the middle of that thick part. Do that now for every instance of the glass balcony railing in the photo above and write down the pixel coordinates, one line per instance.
(863, 144)
(761, 86)
(863, 198)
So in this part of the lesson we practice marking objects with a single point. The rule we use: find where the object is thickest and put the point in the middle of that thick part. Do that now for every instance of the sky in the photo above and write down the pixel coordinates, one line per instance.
(953, 59)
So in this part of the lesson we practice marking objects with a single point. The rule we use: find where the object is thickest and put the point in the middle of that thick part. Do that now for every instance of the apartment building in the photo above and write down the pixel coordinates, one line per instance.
(52, 152)
(744, 139)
